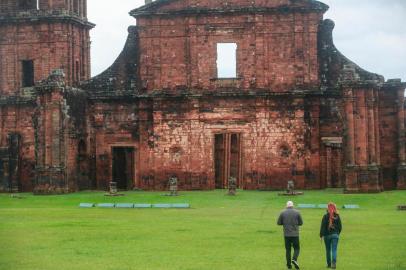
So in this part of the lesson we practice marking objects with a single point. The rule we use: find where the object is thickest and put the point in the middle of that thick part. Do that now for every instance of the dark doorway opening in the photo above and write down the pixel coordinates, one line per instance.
(83, 167)
(14, 170)
(28, 73)
(333, 167)
(123, 167)
(227, 159)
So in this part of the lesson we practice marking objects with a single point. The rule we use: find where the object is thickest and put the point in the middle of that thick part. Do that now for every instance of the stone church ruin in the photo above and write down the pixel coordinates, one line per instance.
(291, 108)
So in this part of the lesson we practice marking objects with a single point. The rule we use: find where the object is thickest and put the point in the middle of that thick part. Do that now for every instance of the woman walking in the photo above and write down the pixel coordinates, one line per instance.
(330, 229)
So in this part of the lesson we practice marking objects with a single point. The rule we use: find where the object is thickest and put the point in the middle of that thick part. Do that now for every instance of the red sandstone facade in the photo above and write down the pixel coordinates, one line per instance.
(296, 108)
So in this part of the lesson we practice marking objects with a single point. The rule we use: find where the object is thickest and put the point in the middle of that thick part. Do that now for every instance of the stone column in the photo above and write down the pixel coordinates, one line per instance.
(371, 128)
(351, 184)
(328, 166)
(373, 169)
(349, 111)
(401, 140)
(49, 132)
(377, 133)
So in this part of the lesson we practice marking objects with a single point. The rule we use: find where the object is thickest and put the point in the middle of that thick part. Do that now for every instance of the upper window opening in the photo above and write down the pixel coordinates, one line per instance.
(76, 6)
(28, 73)
(28, 4)
(226, 60)
(77, 72)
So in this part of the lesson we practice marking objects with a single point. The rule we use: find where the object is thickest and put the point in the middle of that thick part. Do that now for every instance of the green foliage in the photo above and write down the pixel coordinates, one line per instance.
(219, 232)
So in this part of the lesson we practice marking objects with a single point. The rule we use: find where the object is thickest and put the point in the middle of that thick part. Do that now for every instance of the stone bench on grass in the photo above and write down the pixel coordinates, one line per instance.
(86, 205)
(351, 206)
(307, 206)
(124, 205)
(105, 205)
(161, 205)
(142, 205)
(402, 207)
(136, 205)
(180, 205)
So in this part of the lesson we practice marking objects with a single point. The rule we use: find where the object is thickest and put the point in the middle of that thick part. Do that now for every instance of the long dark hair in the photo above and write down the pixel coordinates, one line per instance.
(332, 211)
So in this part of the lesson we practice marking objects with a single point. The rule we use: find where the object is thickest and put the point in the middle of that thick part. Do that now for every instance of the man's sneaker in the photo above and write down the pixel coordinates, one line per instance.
(295, 264)
(333, 266)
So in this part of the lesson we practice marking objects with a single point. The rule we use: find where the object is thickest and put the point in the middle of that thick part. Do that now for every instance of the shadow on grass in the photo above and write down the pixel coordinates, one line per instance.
(266, 231)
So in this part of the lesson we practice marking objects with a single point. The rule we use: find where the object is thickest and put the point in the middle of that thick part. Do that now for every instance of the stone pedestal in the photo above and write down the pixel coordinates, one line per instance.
(374, 182)
(51, 180)
(401, 181)
(351, 180)
(363, 179)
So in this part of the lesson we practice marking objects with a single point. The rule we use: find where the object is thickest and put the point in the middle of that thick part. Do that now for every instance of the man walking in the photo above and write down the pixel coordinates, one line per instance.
(291, 219)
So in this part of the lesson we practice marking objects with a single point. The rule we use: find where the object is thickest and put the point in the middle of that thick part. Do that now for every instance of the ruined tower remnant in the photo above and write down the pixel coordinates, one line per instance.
(282, 105)
(36, 37)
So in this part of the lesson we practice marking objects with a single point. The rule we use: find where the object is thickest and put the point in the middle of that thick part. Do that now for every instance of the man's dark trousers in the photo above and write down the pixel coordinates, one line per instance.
(289, 242)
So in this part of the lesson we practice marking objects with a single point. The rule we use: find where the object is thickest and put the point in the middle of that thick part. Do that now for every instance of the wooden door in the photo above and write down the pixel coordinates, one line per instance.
(227, 158)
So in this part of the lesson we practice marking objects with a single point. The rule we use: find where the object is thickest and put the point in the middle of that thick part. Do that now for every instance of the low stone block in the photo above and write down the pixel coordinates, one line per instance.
(86, 205)
(105, 205)
(402, 207)
(351, 206)
(124, 205)
(306, 205)
(322, 206)
(161, 205)
(142, 205)
(180, 205)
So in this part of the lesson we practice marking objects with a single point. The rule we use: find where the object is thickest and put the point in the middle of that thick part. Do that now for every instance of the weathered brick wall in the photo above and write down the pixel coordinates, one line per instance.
(51, 46)
(18, 119)
(266, 126)
(176, 137)
(224, 4)
(113, 124)
(389, 137)
(14, 6)
(275, 51)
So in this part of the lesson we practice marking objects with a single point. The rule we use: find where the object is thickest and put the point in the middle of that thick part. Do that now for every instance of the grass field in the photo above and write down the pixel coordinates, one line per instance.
(219, 232)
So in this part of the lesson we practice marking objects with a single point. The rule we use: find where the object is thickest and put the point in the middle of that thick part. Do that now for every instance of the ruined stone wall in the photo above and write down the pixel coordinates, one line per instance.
(363, 139)
(175, 137)
(20, 6)
(112, 124)
(176, 5)
(18, 119)
(389, 137)
(332, 140)
(50, 45)
(272, 140)
(275, 51)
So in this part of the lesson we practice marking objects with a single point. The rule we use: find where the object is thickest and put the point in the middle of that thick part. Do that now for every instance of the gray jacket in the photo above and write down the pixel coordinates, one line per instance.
(291, 220)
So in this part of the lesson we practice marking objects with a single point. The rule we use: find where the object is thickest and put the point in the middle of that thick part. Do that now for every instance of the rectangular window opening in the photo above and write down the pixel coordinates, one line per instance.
(226, 60)
(77, 72)
(76, 6)
(28, 4)
(28, 73)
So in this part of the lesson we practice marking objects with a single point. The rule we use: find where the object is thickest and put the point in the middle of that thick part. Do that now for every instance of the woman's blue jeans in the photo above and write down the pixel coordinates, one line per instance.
(331, 242)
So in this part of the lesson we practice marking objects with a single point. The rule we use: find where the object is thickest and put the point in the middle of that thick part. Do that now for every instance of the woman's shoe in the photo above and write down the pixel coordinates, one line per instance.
(333, 266)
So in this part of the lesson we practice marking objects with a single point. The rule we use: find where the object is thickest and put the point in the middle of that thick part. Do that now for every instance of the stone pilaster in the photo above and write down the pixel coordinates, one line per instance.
(351, 180)
(50, 137)
(401, 170)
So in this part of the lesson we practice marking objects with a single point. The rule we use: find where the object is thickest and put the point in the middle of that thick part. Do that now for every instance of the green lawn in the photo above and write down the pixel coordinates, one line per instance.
(219, 232)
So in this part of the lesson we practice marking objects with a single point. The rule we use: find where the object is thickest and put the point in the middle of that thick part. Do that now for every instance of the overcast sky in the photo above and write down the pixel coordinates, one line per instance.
(372, 33)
